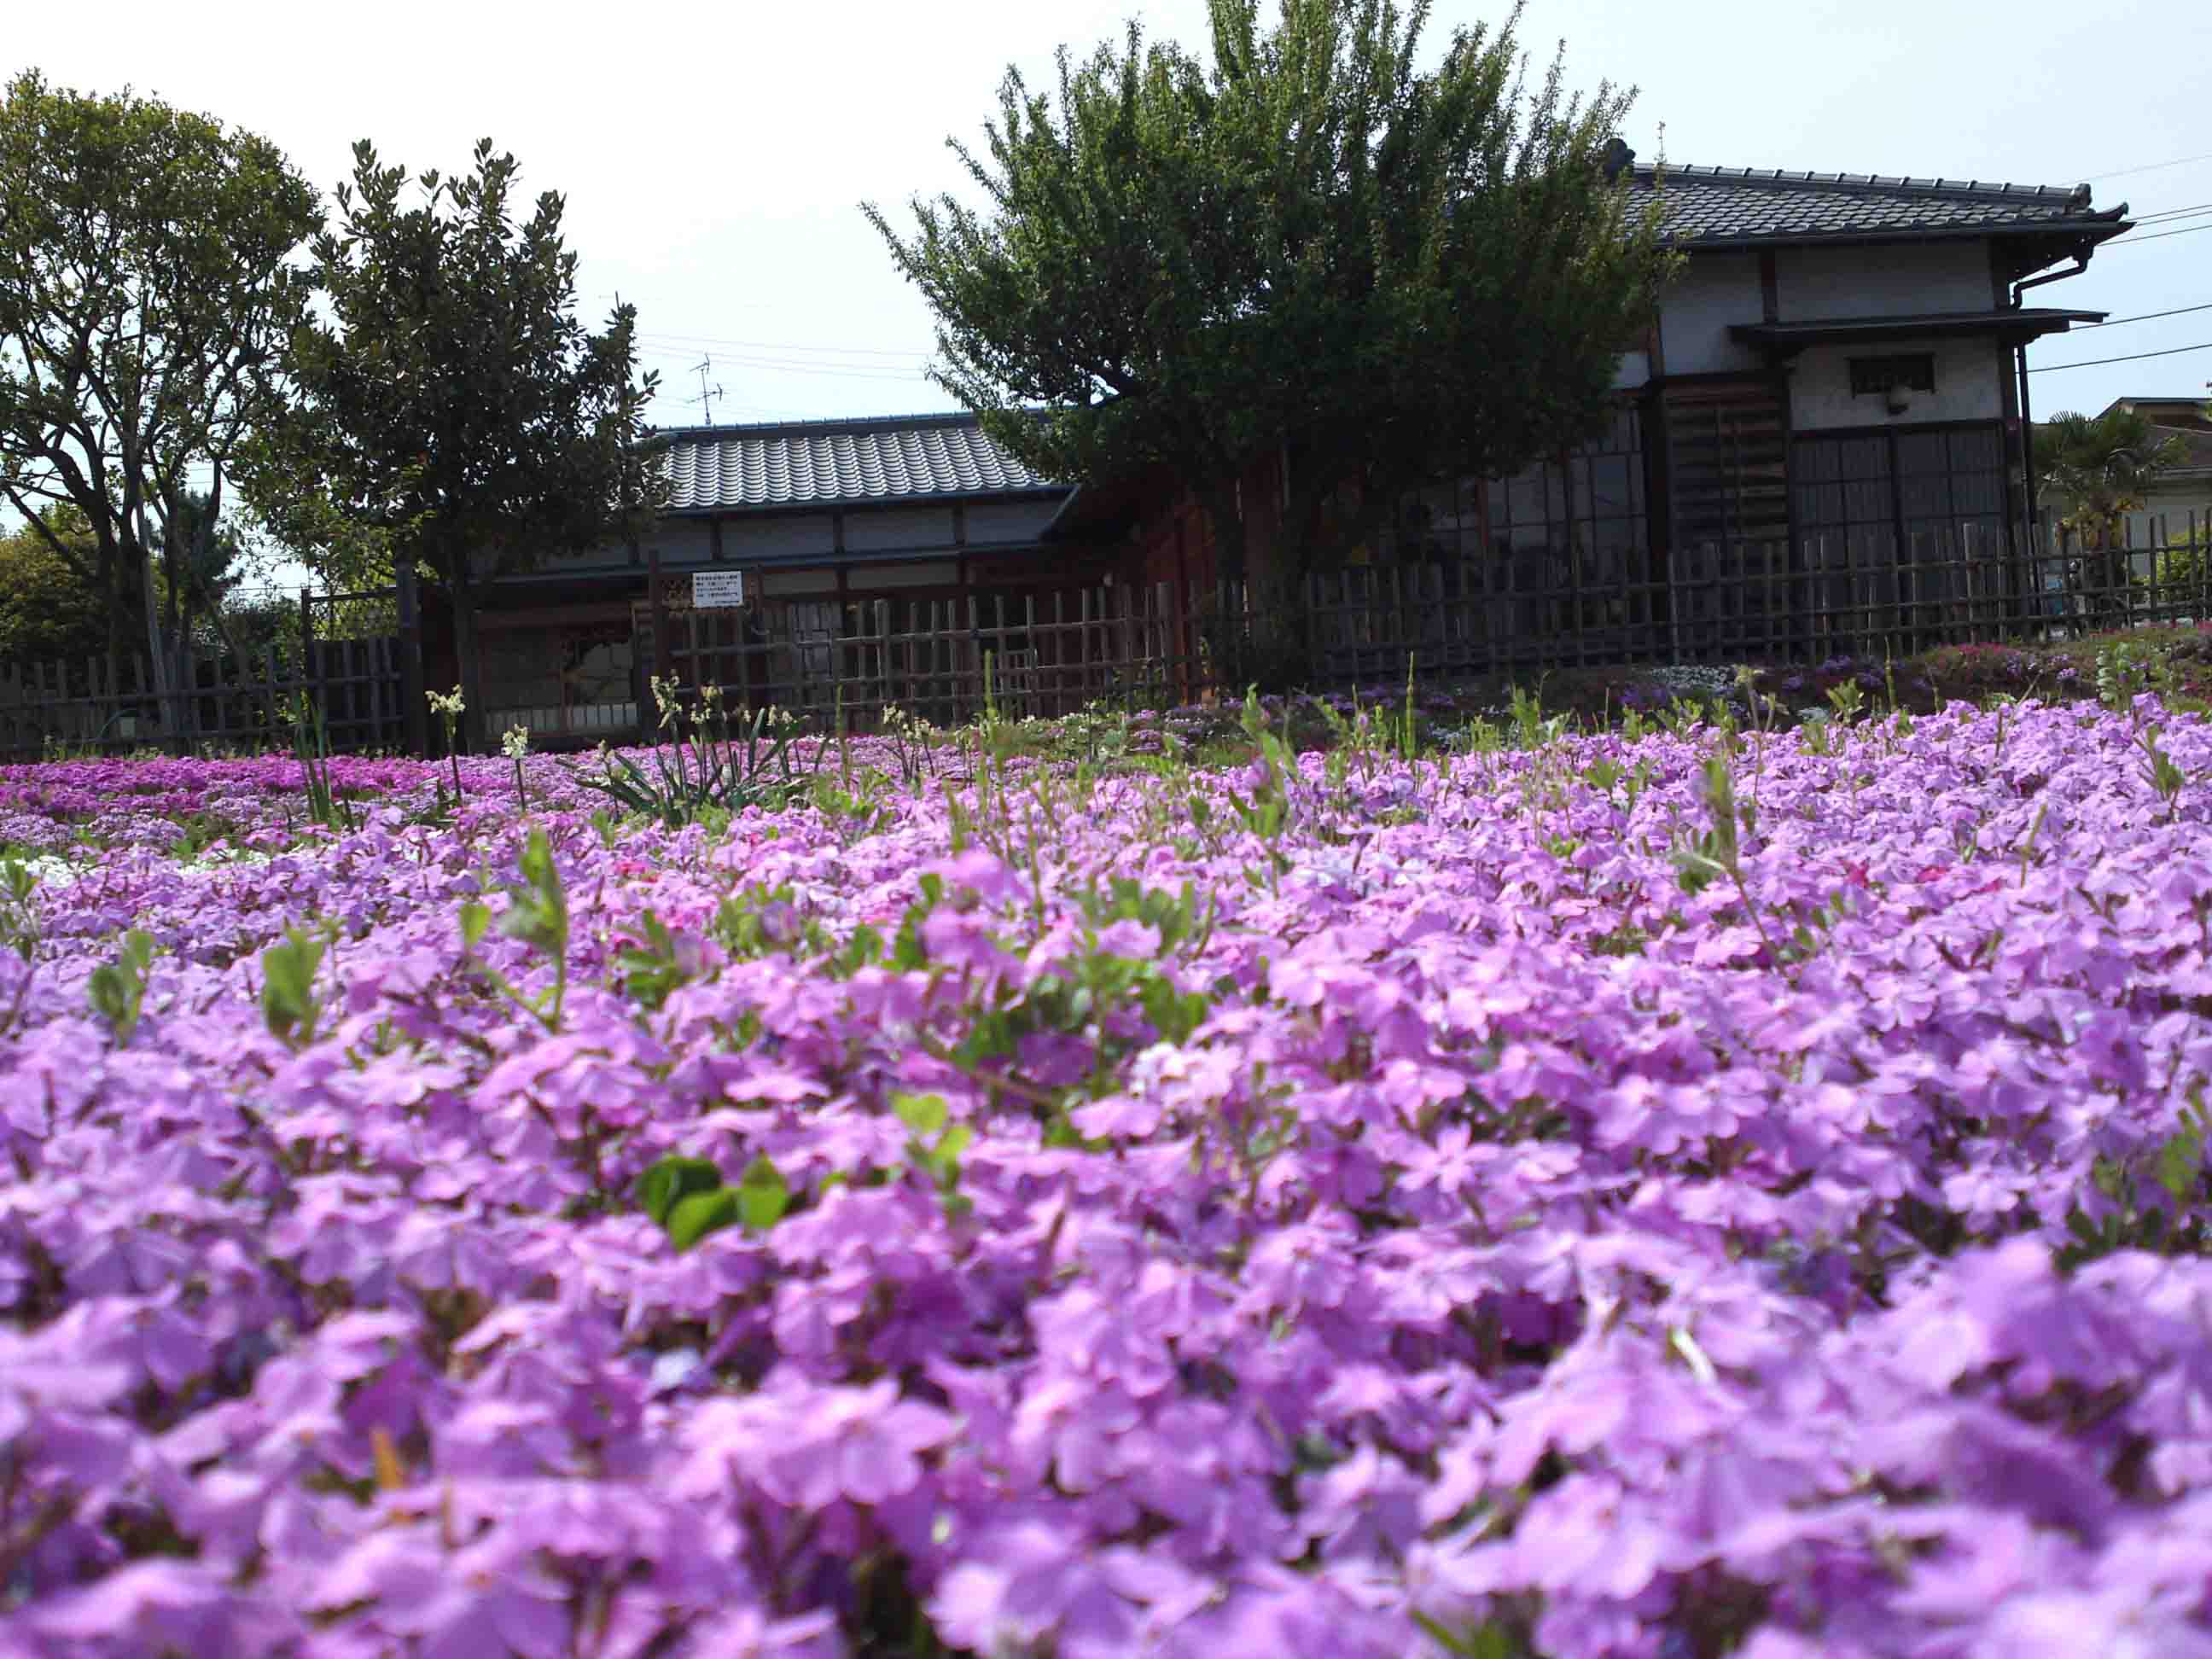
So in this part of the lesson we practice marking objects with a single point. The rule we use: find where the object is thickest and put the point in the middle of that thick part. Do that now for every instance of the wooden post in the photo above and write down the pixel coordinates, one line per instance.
(414, 708)
(658, 602)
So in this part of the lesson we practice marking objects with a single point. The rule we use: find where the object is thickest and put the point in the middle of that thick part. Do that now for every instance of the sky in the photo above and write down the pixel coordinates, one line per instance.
(713, 156)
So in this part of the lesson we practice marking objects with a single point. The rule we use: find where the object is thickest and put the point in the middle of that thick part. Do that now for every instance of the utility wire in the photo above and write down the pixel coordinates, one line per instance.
(778, 345)
(2132, 357)
(839, 371)
(2148, 316)
(2147, 166)
(2172, 213)
(2135, 241)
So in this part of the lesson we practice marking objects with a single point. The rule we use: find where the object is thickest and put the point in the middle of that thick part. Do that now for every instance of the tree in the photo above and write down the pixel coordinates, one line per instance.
(2102, 466)
(145, 300)
(48, 609)
(453, 415)
(1306, 247)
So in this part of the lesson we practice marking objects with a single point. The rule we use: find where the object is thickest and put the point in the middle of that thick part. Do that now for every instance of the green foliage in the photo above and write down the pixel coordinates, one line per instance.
(673, 1179)
(452, 412)
(2158, 1206)
(2181, 567)
(934, 1146)
(1299, 246)
(19, 919)
(655, 967)
(116, 989)
(146, 291)
(1180, 918)
(704, 766)
(701, 1213)
(310, 747)
(290, 1006)
(536, 914)
(2103, 465)
(762, 1196)
(1268, 813)
(686, 1198)
(50, 606)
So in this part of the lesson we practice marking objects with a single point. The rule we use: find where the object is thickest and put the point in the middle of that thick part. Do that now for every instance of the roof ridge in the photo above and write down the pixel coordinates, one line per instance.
(827, 425)
(1783, 178)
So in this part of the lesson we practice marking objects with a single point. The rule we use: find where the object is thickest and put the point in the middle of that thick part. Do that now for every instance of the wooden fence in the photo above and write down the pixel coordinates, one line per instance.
(1519, 612)
(368, 690)
(1522, 612)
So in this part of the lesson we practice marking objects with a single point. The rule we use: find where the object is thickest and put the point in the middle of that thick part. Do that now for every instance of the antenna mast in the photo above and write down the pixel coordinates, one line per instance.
(708, 393)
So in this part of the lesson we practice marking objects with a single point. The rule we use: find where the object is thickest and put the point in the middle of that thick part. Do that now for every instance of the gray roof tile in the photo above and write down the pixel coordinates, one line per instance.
(1734, 204)
(840, 463)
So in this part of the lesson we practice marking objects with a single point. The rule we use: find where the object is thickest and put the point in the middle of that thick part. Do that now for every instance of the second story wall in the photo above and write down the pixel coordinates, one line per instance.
(1901, 279)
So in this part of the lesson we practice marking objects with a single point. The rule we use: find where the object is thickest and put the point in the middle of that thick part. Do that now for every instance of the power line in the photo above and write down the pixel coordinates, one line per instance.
(2148, 167)
(2132, 357)
(2136, 241)
(779, 345)
(2148, 316)
(835, 371)
(2173, 213)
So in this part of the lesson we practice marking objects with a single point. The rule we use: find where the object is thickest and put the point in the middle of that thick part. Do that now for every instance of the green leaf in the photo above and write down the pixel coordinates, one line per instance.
(701, 1213)
(2181, 1163)
(476, 922)
(762, 1196)
(117, 990)
(672, 1180)
(290, 1006)
(923, 1113)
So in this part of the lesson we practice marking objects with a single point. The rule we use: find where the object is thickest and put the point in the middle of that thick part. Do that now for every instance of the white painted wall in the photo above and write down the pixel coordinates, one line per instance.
(747, 541)
(995, 523)
(1633, 370)
(1814, 284)
(1969, 386)
(678, 542)
(923, 572)
(1715, 292)
(885, 528)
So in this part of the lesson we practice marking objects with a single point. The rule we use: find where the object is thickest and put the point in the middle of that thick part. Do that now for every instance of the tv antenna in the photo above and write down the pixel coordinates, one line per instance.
(708, 393)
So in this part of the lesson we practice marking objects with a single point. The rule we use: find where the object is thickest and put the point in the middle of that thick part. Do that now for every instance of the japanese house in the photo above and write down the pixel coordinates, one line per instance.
(1843, 359)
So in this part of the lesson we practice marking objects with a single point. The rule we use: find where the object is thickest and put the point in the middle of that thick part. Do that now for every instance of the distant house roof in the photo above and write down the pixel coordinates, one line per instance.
(878, 460)
(2185, 413)
(1740, 206)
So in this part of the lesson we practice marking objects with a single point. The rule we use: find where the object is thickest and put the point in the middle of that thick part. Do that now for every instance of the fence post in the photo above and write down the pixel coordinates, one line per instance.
(414, 710)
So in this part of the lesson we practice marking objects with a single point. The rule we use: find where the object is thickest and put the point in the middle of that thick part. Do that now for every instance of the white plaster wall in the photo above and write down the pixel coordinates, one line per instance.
(781, 584)
(1715, 292)
(994, 523)
(678, 542)
(898, 527)
(747, 541)
(1814, 284)
(927, 572)
(1969, 386)
(1633, 370)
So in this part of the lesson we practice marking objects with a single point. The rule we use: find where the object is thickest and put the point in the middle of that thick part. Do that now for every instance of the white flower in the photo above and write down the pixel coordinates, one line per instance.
(516, 742)
(447, 703)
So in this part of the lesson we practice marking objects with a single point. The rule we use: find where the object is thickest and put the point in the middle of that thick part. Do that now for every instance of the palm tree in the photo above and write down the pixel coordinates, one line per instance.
(2102, 466)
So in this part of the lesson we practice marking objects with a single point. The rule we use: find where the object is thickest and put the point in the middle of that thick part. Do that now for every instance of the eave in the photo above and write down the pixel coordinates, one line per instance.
(2011, 327)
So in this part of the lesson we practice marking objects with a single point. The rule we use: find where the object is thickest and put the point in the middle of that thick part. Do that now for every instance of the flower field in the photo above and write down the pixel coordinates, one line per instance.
(1667, 1193)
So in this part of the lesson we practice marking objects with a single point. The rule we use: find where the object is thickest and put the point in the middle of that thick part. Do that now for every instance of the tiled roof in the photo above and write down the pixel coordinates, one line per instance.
(840, 463)
(1705, 205)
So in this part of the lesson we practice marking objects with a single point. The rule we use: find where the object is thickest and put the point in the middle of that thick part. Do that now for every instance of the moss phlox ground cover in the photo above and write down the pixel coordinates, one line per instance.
(1710, 1191)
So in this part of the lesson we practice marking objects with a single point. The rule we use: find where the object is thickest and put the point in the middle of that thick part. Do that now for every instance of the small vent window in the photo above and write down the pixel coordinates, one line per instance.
(1877, 377)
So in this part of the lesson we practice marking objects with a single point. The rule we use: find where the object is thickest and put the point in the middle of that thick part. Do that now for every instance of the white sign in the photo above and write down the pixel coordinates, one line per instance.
(713, 590)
